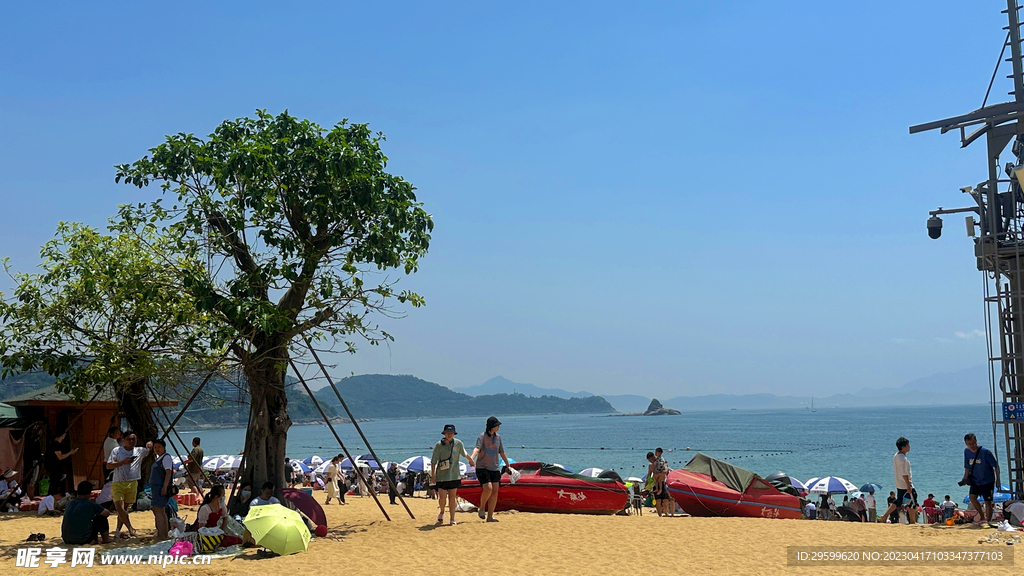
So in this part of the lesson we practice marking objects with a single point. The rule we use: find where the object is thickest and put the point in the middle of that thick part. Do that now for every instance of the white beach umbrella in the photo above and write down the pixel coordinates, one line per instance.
(592, 472)
(831, 485)
(322, 468)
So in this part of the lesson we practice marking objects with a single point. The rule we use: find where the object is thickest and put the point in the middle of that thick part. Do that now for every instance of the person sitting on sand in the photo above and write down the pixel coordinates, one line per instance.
(46, 506)
(444, 471)
(266, 495)
(85, 522)
(241, 506)
(213, 513)
(948, 508)
(810, 511)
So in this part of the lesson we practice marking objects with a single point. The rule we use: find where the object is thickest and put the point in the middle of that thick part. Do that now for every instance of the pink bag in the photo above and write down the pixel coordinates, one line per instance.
(181, 549)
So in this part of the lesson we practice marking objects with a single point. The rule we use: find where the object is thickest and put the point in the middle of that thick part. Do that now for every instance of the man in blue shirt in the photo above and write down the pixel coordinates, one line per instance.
(981, 472)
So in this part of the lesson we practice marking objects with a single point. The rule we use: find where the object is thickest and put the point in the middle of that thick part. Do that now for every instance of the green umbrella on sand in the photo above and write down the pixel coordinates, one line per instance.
(277, 529)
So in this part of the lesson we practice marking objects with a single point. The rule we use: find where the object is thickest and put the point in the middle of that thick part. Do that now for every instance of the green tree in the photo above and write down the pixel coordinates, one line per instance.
(300, 224)
(105, 310)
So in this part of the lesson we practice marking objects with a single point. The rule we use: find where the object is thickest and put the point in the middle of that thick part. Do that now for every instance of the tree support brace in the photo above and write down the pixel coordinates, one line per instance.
(338, 438)
(391, 485)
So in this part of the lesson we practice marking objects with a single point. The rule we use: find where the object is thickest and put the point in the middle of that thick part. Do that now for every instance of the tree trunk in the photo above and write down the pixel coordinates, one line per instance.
(267, 433)
(134, 401)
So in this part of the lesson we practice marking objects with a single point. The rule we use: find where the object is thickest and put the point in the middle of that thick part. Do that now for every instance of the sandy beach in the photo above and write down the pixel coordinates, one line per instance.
(543, 544)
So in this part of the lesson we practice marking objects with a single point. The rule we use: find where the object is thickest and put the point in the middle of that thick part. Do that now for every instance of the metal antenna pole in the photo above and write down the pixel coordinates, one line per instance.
(999, 248)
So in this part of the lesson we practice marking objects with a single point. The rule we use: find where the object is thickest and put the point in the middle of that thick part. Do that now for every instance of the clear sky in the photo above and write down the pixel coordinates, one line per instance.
(651, 198)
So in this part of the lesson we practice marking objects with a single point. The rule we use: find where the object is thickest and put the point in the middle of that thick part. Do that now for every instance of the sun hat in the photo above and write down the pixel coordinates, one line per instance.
(449, 428)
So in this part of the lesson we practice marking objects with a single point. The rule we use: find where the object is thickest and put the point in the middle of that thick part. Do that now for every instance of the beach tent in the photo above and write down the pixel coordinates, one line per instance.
(831, 485)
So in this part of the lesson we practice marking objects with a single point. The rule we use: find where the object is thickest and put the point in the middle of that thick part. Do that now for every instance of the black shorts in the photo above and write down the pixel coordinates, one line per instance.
(449, 485)
(660, 492)
(900, 493)
(984, 490)
(486, 476)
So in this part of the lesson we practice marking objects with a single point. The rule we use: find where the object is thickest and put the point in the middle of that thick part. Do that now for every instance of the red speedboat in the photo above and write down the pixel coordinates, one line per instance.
(546, 488)
(709, 487)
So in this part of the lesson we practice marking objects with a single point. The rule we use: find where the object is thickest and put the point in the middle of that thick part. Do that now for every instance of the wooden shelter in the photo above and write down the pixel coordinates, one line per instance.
(89, 424)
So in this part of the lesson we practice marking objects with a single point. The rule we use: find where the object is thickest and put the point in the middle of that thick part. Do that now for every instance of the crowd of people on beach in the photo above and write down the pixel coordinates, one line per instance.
(86, 518)
(980, 474)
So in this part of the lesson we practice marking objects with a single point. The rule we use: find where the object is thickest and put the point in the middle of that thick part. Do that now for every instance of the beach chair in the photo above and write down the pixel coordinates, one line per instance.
(636, 501)
(931, 514)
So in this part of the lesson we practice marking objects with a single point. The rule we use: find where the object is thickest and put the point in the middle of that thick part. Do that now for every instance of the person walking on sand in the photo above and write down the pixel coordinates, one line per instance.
(194, 474)
(331, 485)
(658, 470)
(127, 464)
(981, 473)
(393, 484)
(444, 471)
(488, 467)
(904, 484)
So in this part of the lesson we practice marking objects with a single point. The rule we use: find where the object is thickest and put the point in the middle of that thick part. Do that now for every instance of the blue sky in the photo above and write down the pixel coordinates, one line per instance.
(656, 198)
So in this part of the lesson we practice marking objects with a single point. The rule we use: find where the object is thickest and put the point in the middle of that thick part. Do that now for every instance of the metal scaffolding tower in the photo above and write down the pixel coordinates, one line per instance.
(999, 247)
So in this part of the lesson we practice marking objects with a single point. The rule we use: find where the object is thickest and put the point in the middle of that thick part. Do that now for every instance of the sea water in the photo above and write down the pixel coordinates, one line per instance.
(854, 443)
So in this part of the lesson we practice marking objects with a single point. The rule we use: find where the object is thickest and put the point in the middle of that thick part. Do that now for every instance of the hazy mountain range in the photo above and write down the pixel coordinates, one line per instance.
(967, 386)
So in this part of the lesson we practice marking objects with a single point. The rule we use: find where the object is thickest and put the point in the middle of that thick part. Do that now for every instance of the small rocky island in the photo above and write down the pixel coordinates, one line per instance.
(655, 409)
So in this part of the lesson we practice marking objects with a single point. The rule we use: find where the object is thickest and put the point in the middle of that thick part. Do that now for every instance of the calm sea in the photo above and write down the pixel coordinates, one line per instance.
(854, 443)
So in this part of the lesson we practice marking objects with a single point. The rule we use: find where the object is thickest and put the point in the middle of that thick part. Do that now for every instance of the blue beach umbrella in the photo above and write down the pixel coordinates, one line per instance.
(300, 467)
(798, 484)
(871, 488)
(313, 461)
(1000, 496)
(810, 482)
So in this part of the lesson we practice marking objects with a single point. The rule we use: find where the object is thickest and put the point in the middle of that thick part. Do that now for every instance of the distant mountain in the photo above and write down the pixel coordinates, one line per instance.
(628, 403)
(502, 385)
(967, 386)
(970, 381)
(387, 396)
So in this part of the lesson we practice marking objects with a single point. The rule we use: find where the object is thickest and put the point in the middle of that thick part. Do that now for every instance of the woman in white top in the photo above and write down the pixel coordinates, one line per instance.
(332, 480)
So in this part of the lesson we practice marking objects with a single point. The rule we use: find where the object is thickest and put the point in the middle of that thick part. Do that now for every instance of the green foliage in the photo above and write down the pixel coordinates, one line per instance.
(103, 310)
(297, 216)
(386, 396)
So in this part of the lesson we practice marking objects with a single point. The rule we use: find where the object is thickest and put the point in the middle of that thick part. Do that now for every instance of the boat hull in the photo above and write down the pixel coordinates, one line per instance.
(552, 494)
(699, 495)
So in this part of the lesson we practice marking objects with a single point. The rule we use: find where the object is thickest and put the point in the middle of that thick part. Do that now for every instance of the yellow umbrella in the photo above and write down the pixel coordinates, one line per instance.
(278, 529)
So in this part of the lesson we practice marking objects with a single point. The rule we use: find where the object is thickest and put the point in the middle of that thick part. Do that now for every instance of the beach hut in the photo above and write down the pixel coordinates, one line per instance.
(89, 423)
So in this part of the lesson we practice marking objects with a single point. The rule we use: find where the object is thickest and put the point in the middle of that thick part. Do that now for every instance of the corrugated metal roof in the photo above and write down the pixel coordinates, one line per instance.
(51, 394)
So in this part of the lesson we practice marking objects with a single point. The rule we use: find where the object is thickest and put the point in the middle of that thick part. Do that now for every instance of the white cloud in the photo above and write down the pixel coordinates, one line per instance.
(969, 335)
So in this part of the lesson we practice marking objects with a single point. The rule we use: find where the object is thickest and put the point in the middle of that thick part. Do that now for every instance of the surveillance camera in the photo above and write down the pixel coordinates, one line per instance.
(967, 189)
(934, 227)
